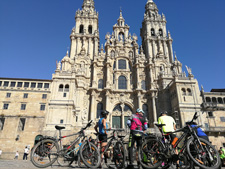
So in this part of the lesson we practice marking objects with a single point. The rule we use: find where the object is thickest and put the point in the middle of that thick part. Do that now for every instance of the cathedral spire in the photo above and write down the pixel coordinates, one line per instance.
(88, 4)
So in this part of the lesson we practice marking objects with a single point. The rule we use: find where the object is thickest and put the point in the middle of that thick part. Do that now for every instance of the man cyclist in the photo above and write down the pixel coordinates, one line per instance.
(170, 124)
(137, 124)
(102, 125)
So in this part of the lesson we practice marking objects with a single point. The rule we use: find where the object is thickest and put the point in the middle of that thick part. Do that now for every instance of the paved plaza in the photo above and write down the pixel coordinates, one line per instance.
(23, 164)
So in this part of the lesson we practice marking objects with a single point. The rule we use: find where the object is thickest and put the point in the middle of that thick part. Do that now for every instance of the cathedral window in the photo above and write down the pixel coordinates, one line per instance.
(100, 84)
(145, 109)
(19, 84)
(61, 88)
(183, 91)
(160, 32)
(90, 29)
(0, 83)
(224, 100)
(152, 32)
(46, 86)
(2, 121)
(122, 64)
(25, 95)
(21, 124)
(8, 95)
(117, 108)
(23, 107)
(44, 96)
(40, 85)
(210, 114)
(127, 108)
(67, 87)
(81, 29)
(6, 84)
(33, 85)
(42, 107)
(143, 85)
(214, 100)
(61, 121)
(220, 100)
(26, 84)
(64, 94)
(5, 106)
(208, 99)
(122, 82)
(99, 110)
(13, 84)
(189, 92)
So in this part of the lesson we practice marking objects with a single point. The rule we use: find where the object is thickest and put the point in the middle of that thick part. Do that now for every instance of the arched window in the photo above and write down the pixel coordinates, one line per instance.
(81, 29)
(127, 108)
(214, 100)
(61, 88)
(143, 85)
(189, 92)
(90, 29)
(122, 84)
(122, 64)
(100, 84)
(160, 32)
(67, 88)
(117, 108)
(208, 99)
(152, 32)
(220, 100)
(183, 91)
(145, 109)
(99, 109)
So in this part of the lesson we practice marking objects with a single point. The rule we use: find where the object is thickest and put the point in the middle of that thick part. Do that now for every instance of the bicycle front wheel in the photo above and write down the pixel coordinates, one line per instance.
(90, 155)
(204, 155)
(44, 153)
(119, 155)
(150, 154)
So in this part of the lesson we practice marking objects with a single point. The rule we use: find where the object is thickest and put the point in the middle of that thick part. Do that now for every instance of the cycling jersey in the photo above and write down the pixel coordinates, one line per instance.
(137, 122)
(101, 127)
(169, 123)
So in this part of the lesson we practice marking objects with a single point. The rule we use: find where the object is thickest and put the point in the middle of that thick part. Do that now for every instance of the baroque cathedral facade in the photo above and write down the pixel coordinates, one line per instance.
(119, 77)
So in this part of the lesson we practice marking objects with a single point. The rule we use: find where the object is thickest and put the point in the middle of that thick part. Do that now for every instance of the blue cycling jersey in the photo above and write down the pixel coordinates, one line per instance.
(101, 127)
(199, 131)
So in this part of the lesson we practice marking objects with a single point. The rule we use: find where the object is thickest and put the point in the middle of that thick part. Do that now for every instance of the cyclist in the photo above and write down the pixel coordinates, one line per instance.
(170, 124)
(102, 125)
(137, 124)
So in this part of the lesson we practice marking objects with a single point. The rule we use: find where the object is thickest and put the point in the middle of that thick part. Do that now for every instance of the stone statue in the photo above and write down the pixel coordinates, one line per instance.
(188, 70)
(59, 65)
(121, 37)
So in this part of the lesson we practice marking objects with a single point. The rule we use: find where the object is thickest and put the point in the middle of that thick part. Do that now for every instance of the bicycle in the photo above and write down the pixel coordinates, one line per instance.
(114, 151)
(154, 152)
(49, 149)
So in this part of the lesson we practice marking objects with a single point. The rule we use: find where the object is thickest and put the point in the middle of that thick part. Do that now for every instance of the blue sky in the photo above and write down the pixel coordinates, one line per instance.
(35, 33)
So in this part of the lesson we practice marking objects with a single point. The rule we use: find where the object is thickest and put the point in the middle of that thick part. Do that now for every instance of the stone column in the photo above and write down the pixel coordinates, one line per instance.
(73, 47)
(93, 103)
(139, 100)
(154, 107)
(96, 47)
(137, 80)
(107, 75)
(154, 48)
(171, 51)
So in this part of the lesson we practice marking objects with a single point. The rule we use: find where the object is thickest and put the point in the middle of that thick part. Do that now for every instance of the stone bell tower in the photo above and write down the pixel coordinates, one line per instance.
(85, 34)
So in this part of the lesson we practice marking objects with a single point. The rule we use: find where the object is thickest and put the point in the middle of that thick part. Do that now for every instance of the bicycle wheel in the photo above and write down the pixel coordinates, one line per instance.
(109, 158)
(44, 153)
(206, 158)
(119, 155)
(90, 155)
(151, 154)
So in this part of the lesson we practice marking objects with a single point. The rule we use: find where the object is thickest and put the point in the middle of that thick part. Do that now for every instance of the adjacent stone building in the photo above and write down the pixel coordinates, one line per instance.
(120, 77)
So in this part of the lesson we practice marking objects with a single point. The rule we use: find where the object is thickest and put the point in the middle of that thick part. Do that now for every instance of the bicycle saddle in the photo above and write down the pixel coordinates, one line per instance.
(59, 127)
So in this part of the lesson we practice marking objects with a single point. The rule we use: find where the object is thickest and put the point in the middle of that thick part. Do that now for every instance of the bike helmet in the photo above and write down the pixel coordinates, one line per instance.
(140, 111)
(104, 113)
(164, 112)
